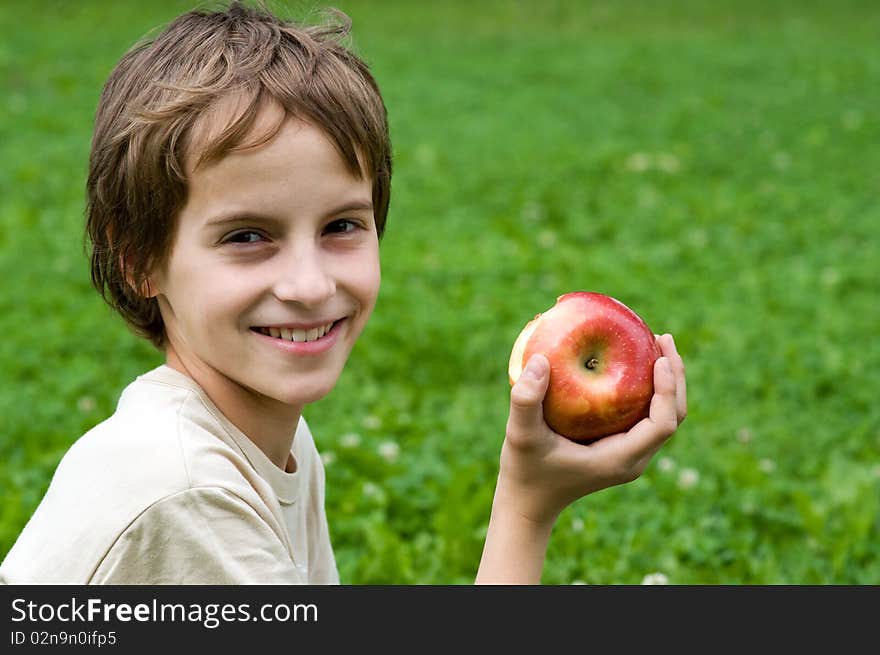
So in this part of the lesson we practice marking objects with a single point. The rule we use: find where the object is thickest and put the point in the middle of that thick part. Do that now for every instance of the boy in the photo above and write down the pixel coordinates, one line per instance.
(239, 183)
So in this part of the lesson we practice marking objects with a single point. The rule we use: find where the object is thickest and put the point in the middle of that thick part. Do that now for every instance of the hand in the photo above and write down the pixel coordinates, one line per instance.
(542, 472)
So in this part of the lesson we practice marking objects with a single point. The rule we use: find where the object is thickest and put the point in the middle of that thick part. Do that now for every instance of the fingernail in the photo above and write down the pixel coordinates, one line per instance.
(533, 369)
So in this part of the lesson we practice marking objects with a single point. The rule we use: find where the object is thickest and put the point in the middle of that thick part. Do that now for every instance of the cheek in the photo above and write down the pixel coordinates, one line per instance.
(206, 297)
(361, 276)
(369, 283)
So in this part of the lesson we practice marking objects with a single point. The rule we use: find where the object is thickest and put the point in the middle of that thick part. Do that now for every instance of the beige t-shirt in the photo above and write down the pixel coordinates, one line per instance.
(168, 491)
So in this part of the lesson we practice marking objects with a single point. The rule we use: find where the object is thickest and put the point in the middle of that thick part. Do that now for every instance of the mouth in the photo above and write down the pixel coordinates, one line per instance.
(299, 335)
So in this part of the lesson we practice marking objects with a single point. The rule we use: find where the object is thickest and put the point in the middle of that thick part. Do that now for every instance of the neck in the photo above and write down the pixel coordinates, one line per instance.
(269, 424)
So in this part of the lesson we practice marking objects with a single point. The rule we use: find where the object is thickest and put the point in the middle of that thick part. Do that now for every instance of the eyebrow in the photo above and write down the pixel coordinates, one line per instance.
(245, 215)
(353, 205)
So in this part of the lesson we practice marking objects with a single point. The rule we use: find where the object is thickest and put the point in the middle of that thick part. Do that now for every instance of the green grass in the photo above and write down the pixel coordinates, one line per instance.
(713, 165)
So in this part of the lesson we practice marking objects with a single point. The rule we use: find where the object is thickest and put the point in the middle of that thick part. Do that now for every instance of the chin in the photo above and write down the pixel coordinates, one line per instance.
(303, 392)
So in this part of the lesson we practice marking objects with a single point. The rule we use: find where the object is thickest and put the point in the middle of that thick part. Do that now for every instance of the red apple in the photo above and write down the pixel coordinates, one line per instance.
(601, 357)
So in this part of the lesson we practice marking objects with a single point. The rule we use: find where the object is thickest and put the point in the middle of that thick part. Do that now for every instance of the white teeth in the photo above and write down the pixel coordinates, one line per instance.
(297, 334)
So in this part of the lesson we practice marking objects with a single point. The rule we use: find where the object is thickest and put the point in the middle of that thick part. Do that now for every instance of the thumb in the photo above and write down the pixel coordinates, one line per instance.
(527, 396)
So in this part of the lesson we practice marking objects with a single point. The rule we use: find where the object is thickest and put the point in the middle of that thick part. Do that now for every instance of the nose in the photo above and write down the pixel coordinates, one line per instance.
(304, 277)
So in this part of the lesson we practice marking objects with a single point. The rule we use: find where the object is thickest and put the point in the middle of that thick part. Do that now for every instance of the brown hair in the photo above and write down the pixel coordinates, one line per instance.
(156, 97)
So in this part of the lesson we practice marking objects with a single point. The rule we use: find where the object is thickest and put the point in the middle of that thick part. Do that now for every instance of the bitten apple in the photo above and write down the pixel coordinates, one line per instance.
(601, 356)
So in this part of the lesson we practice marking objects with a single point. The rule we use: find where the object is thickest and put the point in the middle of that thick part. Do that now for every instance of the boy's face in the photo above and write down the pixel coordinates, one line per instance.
(278, 237)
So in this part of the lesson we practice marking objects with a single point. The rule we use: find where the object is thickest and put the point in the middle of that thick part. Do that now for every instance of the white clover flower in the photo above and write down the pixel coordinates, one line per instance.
(688, 478)
(668, 163)
(533, 212)
(372, 422)
(350, 440)
(655, 579)
(328, 457)
(86, 404)
(666, 464)
(577, 524)
(638, 162)
(830, 277)
(547, 239)
(744, 435)
(371, 490)
(389, 450)
(767, 465)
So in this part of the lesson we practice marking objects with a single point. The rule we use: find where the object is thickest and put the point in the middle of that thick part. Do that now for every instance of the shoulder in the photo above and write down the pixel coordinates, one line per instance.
(305, 451)
(160, 440)
(310, 467)
(202, 535)
(159, 451)
(304, 442)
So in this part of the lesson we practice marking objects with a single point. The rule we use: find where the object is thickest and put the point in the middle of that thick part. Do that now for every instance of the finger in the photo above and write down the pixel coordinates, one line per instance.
(526, 400)
(650, 433)
(670, 350)
(663, 411)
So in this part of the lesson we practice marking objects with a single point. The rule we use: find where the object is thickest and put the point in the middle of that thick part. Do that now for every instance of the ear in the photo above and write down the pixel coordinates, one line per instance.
(148, 289)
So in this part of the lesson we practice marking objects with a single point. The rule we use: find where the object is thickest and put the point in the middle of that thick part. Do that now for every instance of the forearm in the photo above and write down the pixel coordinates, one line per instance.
(515, 548)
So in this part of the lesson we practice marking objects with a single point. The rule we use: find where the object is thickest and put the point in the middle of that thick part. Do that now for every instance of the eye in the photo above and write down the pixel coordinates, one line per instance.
(343, 226)
(243, 236)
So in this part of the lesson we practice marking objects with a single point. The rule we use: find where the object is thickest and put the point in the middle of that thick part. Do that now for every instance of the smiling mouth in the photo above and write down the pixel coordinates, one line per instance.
(298, 335)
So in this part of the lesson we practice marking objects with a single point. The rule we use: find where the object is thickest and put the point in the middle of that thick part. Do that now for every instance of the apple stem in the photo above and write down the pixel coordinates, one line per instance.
(592, 363)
